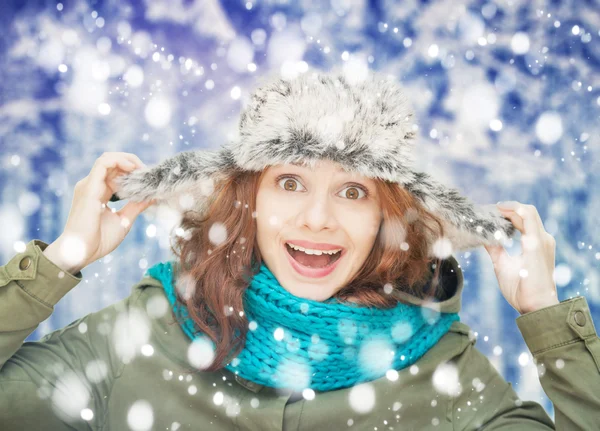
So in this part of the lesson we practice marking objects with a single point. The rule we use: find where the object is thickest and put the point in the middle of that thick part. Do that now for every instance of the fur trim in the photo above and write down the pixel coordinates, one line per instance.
(367, 127)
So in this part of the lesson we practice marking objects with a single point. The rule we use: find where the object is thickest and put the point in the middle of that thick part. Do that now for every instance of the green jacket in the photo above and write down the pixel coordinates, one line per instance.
(125, 367)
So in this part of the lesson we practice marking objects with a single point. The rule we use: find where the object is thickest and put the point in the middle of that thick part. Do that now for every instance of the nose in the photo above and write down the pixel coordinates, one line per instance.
(317, 213)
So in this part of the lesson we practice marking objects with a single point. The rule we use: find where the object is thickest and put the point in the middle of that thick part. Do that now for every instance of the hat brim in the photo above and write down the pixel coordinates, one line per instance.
(186, 181)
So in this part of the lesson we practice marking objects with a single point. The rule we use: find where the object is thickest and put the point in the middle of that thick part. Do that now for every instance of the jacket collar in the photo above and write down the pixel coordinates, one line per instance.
(448, 295)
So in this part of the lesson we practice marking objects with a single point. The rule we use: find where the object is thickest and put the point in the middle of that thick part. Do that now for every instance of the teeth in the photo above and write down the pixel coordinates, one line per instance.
(311, 251)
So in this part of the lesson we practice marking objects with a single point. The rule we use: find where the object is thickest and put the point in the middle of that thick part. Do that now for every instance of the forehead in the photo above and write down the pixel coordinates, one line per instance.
(320, 164)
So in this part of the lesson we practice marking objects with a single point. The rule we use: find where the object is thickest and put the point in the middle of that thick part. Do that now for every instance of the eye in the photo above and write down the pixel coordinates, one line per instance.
(290, 182)
(357, 187)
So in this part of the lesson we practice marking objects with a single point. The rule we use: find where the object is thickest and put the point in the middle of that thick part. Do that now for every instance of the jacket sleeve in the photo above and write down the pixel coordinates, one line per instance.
(566, 348)
(60, 381)
(564, 345)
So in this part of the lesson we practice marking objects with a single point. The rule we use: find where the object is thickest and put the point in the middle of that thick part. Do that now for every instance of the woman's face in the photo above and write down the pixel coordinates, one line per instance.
(325, 205)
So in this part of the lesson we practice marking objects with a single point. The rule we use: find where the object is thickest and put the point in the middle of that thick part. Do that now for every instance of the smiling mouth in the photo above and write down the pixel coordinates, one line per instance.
(311, 260)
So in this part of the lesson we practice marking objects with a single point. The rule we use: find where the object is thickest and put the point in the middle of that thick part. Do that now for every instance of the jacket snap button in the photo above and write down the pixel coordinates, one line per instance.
(25, 263)
(580, 318)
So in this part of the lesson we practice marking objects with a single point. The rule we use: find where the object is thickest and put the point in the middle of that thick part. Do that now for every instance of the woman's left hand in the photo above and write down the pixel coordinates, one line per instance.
(527, 280)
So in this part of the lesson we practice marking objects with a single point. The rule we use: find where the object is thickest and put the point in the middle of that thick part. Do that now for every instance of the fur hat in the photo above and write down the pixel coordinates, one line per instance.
(365, 126)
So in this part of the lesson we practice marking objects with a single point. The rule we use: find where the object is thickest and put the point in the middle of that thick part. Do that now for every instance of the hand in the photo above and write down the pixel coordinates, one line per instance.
(93, 230)
(526, 281)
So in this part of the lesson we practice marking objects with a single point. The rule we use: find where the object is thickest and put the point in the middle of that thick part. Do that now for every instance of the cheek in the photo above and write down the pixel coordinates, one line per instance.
(362, 226)
(270, 221)
(273, 213)
(363, 236)
(365, 243)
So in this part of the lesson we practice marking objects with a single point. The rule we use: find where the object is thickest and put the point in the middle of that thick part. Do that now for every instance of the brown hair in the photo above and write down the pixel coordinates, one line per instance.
(214, 277)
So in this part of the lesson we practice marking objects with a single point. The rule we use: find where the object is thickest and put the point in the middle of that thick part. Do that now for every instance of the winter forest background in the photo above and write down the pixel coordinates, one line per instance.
(507, 95)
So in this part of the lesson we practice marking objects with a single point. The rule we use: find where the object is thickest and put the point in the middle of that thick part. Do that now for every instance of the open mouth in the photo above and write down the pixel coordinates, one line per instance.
(312, 260)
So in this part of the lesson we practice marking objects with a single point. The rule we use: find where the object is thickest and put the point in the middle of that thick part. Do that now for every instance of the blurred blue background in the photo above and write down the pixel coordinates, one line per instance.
(507, 95)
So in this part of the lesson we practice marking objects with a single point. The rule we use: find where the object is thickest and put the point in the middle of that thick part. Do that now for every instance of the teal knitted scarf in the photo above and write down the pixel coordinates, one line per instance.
(299, 343)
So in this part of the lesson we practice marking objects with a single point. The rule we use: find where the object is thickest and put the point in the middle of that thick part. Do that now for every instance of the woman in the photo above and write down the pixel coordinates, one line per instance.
(314, 289)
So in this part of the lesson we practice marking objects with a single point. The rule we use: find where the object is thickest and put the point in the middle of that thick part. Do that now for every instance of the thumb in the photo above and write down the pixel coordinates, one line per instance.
(495, 252)
(132, 209)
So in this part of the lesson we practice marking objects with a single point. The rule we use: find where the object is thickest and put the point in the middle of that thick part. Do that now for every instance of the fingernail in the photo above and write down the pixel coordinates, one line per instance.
(509, 205)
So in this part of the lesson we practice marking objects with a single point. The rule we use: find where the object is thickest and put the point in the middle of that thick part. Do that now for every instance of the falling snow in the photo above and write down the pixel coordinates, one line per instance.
(503, 114)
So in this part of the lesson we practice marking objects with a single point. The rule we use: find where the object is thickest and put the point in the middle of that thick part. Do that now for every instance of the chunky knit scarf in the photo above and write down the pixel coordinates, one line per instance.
(299, 343)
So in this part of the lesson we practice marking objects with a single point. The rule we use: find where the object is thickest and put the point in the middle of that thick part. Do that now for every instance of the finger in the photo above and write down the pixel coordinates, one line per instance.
(515, 218)
(132, 158)
(122, 155)
(538, 219)
(532, 238)
(496, 252)
(118, 172)
(113, 174)
(98, 186)
(135, 159)
(526, 217)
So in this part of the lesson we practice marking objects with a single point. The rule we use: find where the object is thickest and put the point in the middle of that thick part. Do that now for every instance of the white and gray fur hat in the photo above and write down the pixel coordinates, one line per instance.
(366, 126)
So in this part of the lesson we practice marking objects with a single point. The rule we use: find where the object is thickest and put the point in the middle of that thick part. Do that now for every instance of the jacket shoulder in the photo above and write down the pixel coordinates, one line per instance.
(479, 394)
(146, 282)
(461, 328)
(456, 340)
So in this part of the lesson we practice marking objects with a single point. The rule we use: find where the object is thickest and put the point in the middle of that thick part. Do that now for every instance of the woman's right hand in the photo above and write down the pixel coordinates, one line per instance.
(93, 230)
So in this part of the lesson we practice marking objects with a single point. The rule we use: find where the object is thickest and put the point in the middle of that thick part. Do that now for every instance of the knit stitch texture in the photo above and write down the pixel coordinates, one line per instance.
(298, 343)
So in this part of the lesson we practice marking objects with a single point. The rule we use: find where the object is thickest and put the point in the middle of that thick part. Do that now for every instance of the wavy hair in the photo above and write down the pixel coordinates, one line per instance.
(218, 255)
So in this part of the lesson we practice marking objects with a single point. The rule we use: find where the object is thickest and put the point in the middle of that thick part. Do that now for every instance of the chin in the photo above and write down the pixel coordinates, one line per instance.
(313, 292)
